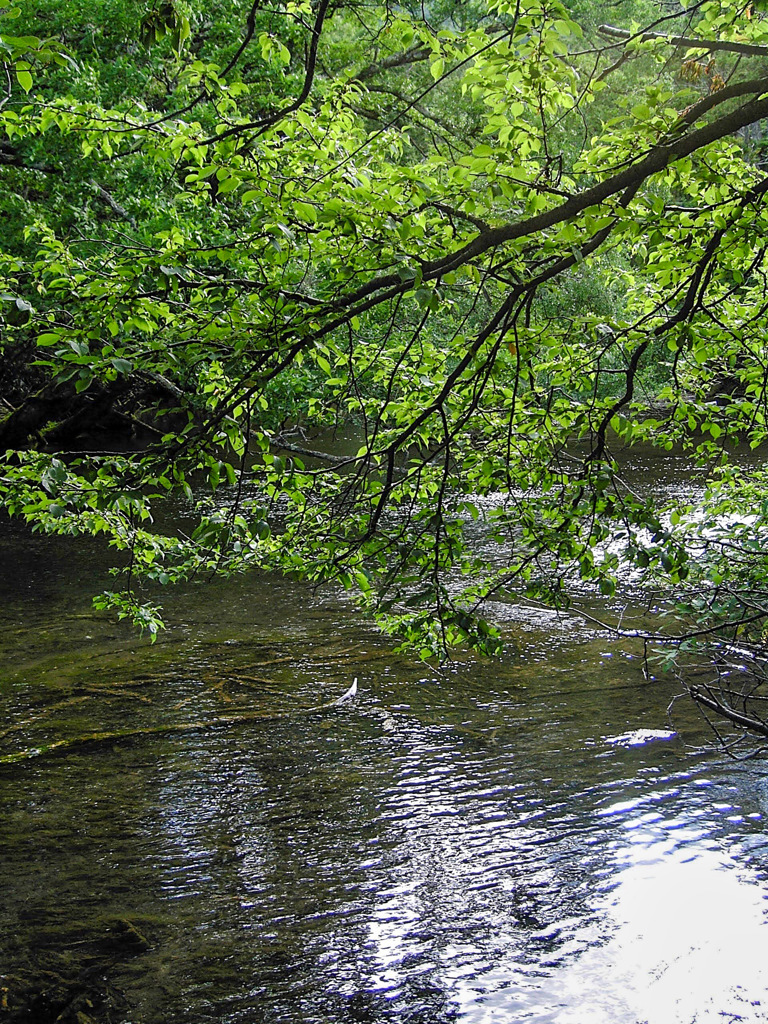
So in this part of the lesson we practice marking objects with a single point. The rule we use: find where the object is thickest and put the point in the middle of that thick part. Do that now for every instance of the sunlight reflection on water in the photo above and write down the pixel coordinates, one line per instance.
(688, 943)
(674, 933)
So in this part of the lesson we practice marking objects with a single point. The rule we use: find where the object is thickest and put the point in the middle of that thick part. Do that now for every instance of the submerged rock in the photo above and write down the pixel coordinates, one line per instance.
(127, 938)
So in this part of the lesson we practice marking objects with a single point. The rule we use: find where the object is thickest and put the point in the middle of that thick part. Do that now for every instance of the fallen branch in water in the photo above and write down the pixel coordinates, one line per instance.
(61, 746)
(43, 714)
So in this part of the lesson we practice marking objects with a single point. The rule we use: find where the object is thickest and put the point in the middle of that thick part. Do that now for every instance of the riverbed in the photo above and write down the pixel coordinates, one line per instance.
(530, 839)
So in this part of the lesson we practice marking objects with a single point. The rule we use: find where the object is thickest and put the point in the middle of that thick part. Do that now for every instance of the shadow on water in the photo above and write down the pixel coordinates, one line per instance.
(518, 841)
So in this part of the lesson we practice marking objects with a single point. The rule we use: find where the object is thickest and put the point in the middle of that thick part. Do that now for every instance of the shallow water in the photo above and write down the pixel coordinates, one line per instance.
(517, 841)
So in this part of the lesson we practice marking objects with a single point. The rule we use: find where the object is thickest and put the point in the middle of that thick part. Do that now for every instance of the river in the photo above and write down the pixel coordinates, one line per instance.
(522, 840)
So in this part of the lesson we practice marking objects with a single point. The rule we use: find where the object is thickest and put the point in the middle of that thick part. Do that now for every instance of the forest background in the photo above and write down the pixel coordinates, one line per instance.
(495, 244)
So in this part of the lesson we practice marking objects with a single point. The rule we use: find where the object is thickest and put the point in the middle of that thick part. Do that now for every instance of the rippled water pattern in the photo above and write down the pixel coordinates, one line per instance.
(525, 841)
(371, 865)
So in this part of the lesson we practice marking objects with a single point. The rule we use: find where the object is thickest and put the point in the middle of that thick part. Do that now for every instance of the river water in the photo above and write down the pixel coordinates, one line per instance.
(523, 840)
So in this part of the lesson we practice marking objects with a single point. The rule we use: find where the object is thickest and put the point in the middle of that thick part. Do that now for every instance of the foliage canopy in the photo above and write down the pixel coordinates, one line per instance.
(491, 243)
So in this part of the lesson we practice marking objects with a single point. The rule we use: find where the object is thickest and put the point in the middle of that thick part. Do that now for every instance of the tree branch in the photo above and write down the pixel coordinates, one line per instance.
(106, 198)
(266, 122)
(748, 49)
(250, 28)
(396, 60)
(657, 159)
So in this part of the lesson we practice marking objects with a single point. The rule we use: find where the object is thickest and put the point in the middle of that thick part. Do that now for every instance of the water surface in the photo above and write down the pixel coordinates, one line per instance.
(523, 840)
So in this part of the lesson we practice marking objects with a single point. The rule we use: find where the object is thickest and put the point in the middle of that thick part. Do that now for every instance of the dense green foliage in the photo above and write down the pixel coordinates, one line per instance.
(492, 242)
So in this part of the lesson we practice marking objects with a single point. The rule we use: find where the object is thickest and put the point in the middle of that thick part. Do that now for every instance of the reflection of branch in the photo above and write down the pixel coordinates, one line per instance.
(266, 122)
(750, 49)
(662, 638)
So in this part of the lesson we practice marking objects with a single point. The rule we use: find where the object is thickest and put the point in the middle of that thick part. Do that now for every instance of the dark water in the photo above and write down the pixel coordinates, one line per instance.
(510, 842)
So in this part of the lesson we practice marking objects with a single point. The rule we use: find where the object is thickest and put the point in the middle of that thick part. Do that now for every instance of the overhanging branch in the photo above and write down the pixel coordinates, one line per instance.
(309, 76)
(655, 160)
(689, 42)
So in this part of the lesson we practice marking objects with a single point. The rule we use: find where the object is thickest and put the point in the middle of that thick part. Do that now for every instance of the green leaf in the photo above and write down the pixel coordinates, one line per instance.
(305, 211)
(122, 365)
(24, 78)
